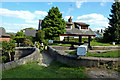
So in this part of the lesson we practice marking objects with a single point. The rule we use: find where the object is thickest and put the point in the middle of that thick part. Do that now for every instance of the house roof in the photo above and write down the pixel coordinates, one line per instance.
(3, 33)
(30, 32)
(81, 23)
(80, 32)
(69, 23)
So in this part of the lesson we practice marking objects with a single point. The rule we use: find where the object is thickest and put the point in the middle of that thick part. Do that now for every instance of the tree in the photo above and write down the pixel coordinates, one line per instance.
(112, 33)
(53, 24)
(19, 37)
(12, 35)
(30, 28)
(40, 36)
(8, 47)
(20, 34)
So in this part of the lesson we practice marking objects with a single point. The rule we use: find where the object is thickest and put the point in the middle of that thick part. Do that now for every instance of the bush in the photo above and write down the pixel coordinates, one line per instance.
(56, 38)
(9, 48)
(31, 38)
(27, 43)
(97, 39)
(5, 59)
(40, 36)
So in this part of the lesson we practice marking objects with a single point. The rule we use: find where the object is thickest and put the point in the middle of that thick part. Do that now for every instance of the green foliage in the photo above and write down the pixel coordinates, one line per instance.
(71, 52)
(20, 34)
(8, 47)
(27, 43)
(30, 28)
(55, 70)
(20, 37)
(37, 44)
(108, 54)
(72, 39)
(4, 59)
(98, 39)
(0, 44)
(117, 69)
(40, 36)
(53, 24)
(12, 35)
(112, 33)
(30, 38)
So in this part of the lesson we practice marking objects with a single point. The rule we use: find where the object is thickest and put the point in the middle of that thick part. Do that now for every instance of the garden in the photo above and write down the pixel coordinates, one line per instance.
(40, 41)
(55, 70)
(108, 54)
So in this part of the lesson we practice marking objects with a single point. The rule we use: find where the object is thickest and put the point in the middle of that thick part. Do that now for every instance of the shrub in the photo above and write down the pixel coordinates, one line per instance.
(27, 43)
(8, 47)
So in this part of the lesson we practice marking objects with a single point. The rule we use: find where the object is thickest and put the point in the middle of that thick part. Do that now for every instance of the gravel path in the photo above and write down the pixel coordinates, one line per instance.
(93, 73)
(46, 59)
(102, 74)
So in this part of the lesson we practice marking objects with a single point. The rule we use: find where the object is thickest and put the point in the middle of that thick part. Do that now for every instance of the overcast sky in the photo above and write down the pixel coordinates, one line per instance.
(19, 15)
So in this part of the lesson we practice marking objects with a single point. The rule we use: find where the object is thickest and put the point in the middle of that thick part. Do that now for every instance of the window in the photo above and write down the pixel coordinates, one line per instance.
(84, 27)
(68, 26)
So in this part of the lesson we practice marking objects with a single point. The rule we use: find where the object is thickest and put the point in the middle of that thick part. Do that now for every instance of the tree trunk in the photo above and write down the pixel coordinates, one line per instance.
(9, 56)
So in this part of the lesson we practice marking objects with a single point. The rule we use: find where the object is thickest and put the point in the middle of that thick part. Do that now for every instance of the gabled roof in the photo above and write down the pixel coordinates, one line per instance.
(80, 32)
(69, 23)
(81, 23)
(3, 33)
(30, 32)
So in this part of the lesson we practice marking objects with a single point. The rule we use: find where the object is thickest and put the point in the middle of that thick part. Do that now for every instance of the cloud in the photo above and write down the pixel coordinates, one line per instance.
(79, 3)
(94, 20)
(26, 15)
(95, 29)
(40, 14)
(17, 27)
(17, 14)
(31, 21)
(50, 3)
(67, 17)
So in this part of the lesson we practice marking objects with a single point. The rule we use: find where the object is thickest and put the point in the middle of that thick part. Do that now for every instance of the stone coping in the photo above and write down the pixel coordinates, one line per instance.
(74, 60)
(34, 56)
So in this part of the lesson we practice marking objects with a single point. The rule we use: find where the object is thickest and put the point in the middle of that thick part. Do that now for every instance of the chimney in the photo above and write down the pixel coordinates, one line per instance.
(39, 25)
(70, 19)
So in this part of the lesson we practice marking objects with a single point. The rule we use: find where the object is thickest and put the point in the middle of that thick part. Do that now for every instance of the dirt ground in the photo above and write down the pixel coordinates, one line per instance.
(100, 74)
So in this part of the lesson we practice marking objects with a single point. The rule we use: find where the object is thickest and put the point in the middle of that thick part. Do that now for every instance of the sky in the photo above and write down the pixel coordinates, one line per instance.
(19, 15)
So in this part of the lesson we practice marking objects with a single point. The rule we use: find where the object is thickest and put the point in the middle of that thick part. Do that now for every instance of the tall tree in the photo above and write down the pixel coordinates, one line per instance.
(112, 33)
(53, 24)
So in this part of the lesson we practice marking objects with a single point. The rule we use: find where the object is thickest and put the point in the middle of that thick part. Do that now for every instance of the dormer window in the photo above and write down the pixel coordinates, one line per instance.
(68, 26)
(84, 28)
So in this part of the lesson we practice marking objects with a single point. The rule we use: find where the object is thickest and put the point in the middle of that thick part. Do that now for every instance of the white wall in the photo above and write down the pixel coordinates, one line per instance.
(62, 37)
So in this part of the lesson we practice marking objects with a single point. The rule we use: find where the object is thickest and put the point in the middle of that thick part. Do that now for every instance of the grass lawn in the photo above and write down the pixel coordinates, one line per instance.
(56, 44)
(55, 70)
(92, 43)
(109, 54)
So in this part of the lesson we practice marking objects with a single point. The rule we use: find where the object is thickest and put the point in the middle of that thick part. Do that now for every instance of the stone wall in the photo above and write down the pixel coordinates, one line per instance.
(22, 52)
(74, 60)
(30, 57)
(104, 47)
